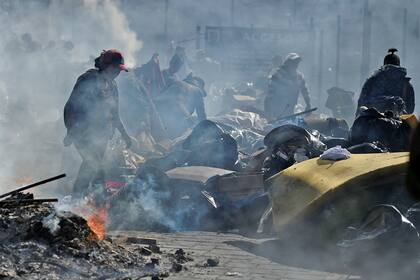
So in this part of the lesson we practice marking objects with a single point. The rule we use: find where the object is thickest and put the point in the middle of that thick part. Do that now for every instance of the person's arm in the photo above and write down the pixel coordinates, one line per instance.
(118, 124)
(409, 98)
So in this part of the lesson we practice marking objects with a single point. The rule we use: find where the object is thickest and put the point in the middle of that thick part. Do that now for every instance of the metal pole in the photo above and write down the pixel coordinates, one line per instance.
(27, 187)
(366, 39)
(320, 66)
(404, 43)
(337, 57)
(312, 38)
(232, 12)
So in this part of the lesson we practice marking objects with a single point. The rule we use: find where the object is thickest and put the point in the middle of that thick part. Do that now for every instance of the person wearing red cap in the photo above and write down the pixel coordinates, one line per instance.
(91, 116)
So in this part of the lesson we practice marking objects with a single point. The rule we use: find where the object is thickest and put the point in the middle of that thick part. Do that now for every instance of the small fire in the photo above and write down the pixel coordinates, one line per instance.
(97, 221)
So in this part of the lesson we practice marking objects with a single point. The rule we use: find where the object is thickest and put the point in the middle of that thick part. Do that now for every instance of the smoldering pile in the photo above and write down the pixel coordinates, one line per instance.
(36, 240)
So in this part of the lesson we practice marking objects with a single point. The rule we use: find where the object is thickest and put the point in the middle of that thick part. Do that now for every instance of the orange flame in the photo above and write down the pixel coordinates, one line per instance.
(97, 221)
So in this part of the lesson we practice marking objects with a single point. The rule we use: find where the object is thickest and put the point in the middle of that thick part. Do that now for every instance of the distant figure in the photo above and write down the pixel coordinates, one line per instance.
(341, 103)
(179, 102)
(29, 44)
(284, 88)
(389, 88)
(151, 75)
(170, 74)
(91, 115)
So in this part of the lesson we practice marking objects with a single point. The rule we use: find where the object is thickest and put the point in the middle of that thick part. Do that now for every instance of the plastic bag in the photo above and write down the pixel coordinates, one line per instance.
(335, 153)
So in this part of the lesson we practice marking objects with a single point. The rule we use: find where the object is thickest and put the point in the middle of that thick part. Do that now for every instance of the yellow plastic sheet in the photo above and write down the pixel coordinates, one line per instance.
(304, 186)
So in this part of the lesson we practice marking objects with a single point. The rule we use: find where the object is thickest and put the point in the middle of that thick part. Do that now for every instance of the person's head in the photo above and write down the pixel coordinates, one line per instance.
(110, 63)
(391, 58)
(292, 61)
(176, 63)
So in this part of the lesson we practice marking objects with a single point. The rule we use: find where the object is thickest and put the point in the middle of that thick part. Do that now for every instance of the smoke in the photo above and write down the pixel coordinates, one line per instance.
(115, 25)
(51, 222)
(46, 45)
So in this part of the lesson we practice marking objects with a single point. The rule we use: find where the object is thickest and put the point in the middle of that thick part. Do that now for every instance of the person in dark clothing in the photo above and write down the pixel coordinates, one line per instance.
(151, 75)
(388, 88)
(284, 88)
(91, 115)
(179, 102)
(170, 75)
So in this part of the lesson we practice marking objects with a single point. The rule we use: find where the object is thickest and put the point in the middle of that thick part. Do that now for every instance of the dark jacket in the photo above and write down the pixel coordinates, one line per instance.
(92, 109)
(388, 81)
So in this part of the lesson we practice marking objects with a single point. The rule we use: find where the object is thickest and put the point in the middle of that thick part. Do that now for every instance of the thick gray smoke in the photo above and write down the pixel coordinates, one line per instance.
(45, 46)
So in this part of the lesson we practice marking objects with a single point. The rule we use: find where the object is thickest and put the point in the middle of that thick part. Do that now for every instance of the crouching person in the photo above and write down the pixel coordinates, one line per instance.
(91, 115)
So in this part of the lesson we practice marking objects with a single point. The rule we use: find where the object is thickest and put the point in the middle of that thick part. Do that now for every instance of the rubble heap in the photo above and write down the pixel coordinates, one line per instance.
(36, 241)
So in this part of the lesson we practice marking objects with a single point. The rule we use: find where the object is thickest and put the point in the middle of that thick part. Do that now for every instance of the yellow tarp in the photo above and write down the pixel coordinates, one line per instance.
(303, 186)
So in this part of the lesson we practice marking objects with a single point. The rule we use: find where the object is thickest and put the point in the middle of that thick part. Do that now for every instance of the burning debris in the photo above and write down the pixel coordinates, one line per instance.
(37, 239)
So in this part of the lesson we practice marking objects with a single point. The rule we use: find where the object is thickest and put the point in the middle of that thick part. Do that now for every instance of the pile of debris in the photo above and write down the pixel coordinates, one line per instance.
(37, 240)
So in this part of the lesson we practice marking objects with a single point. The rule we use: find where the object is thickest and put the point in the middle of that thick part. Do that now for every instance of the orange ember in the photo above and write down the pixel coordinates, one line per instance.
(96, 221)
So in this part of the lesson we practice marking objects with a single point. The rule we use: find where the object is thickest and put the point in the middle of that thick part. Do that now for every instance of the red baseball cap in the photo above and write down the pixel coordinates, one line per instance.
(113, 57)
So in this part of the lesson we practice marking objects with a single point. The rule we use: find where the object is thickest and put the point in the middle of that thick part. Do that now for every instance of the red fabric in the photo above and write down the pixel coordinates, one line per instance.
(114, 184)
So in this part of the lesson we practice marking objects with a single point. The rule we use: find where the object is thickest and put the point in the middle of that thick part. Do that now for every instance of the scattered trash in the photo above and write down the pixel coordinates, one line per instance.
(212, 262)
(176, 267)
(233, 274)
(145, 251)
(384, 238)
(154, 248)
(381, 225)
(387, 129)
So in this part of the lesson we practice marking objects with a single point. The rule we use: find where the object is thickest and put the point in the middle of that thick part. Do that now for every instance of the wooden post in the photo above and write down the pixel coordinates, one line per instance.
(366, 39)
(404, 42)
(337, 57)
(320, 67)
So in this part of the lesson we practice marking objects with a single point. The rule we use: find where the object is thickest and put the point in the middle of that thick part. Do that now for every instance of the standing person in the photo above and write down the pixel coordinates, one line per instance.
(170, 75)
(151, 75)
(284, 88)
(91, 115)
(388, 88)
